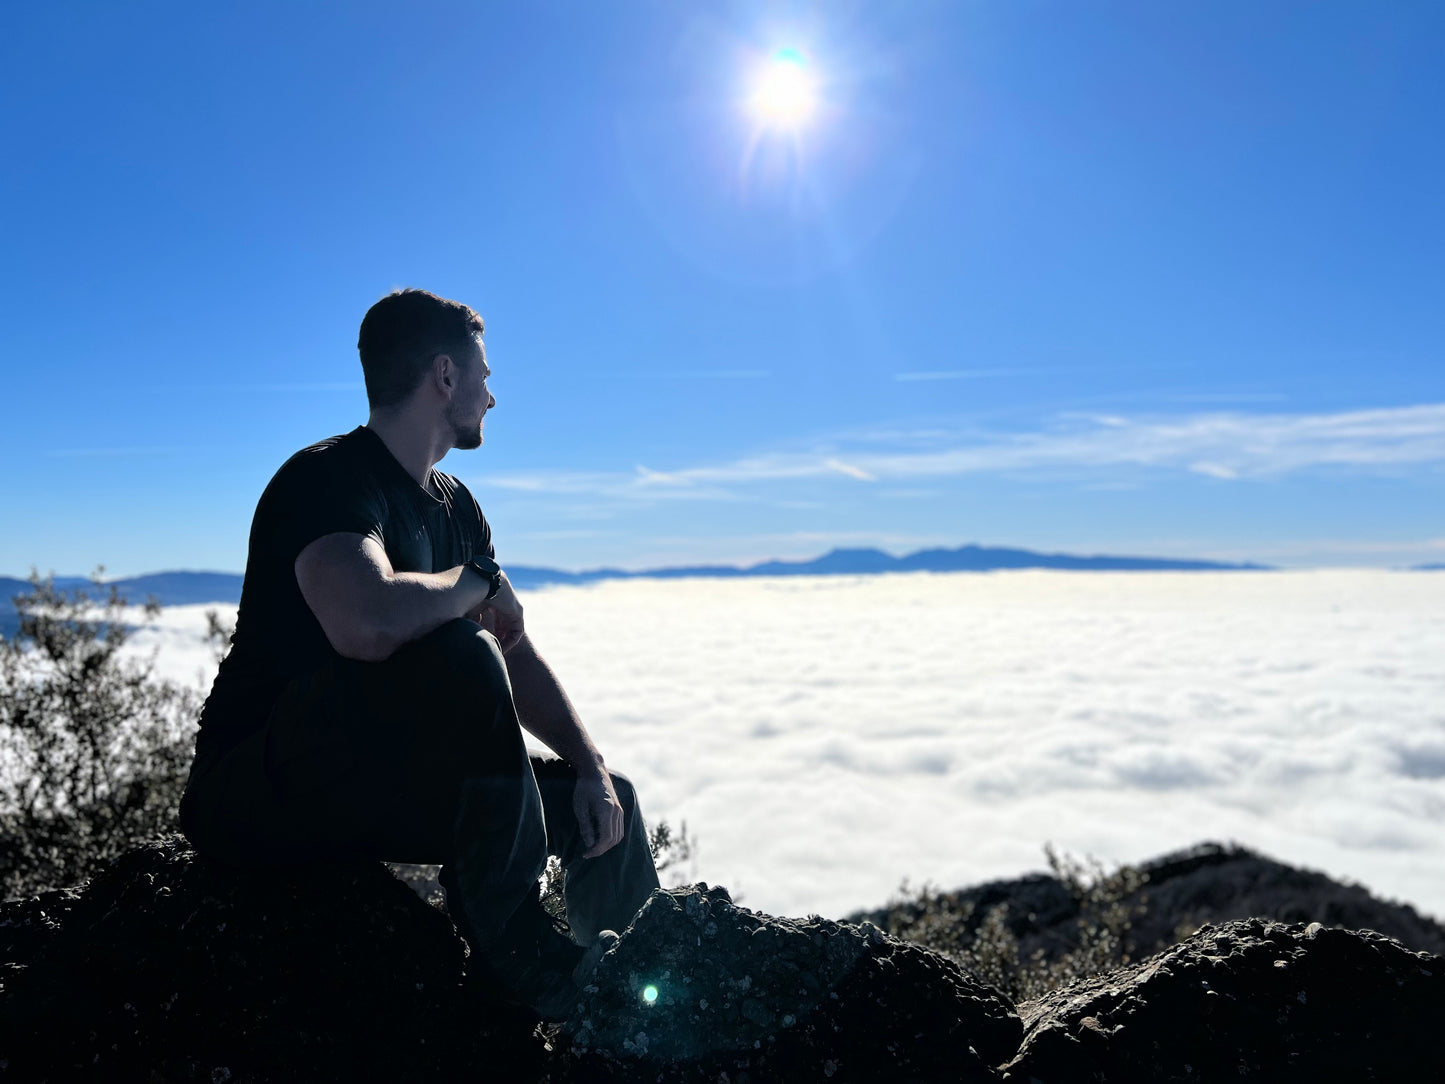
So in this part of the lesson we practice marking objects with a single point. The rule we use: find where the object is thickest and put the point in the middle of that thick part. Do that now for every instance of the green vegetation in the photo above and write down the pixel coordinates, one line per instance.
(94, 748)
(987, 942)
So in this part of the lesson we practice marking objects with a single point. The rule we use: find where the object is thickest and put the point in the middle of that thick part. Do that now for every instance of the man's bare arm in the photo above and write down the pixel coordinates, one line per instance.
(366, 608)
(545, 711)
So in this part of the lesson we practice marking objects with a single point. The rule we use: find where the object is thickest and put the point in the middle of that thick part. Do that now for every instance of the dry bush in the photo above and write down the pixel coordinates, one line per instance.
(1107, 904)
(94, 748)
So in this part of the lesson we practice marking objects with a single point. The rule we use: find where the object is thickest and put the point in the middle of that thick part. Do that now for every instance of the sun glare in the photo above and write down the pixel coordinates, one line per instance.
(784, 95)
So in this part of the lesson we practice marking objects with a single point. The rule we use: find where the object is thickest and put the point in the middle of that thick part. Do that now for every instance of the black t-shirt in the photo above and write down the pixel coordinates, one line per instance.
(350, 484)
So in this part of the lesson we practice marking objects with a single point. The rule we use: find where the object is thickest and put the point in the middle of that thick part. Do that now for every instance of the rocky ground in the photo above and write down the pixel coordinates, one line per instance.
(1174, 896)
(165, 967)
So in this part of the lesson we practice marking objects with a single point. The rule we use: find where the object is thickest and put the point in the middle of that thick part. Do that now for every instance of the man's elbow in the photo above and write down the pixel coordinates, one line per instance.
(362, 643)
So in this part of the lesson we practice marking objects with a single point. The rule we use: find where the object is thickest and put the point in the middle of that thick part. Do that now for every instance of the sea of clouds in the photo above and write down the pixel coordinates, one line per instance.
(826, 737)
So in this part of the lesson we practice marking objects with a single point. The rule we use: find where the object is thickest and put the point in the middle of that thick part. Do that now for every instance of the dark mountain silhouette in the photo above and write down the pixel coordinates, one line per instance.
(169, 588)
(869, 561)
(187, 588)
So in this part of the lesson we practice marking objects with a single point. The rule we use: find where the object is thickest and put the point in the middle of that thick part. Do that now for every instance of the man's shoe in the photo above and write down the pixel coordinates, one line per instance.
(537, 965)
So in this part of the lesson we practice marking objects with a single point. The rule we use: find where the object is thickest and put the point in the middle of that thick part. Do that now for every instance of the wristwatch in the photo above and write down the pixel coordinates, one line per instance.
(490, 571)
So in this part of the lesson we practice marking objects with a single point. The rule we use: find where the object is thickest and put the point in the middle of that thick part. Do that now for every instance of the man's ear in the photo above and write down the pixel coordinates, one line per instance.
(444, 375)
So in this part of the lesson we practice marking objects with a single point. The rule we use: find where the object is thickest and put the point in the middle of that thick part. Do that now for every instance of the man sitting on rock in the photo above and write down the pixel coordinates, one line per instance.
(373, 700)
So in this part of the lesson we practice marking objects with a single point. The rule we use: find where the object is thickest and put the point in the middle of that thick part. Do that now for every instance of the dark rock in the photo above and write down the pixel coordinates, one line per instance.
(1181, 891)
(27, 926)
(1251, 1000)
(745, 996)
(1216, 883)
(169, 967)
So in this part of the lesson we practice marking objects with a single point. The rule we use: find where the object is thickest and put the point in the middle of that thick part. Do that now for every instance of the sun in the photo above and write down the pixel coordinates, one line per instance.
(784, 94)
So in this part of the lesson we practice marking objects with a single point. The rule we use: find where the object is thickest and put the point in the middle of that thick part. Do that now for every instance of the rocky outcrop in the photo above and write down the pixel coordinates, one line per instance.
(1250, 1000)
(1178, 893)
(168, 968)
(701, 989)
(1214, 883)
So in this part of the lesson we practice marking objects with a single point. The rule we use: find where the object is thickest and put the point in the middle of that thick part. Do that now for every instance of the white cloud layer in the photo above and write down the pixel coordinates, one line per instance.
(826, 737)
(1224, 445)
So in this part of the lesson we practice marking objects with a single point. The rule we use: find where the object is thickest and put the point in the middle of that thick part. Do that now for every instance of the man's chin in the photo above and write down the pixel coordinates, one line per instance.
(467, 439)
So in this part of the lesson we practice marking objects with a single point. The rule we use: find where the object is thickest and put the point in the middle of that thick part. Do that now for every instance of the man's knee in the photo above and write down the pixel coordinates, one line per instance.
(462, 654)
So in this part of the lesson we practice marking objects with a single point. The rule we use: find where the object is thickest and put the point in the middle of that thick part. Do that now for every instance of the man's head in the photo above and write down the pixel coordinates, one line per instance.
(413, 340)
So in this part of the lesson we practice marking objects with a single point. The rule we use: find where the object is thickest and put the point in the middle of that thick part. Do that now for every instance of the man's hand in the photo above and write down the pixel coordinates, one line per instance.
(599, 813)
(502, 616)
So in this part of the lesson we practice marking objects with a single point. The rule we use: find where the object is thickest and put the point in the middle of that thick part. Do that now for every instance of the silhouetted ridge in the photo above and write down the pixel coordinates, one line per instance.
(835, 562)
(191, 588)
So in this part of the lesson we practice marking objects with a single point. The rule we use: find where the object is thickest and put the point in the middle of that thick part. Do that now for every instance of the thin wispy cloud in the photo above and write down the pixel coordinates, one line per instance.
(288, 387)
(849, 469)
(1220, 397)
(1218, 445)
(108, 453)
(961, 374)
(309, 385)
(697, 374)
(282, 386)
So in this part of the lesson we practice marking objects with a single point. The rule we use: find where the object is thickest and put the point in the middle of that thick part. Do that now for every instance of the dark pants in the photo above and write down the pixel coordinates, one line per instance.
(419, 758)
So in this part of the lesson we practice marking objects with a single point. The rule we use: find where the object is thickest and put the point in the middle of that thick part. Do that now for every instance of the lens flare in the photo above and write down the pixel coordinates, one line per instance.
(785, 94)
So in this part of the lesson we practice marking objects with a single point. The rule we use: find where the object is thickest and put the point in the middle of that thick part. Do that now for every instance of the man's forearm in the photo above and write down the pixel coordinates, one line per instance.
(366, 608)
(408, 605)
(545, 711)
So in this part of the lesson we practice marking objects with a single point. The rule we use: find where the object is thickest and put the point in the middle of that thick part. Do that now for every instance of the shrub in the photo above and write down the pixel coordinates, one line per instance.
(94, 748)
(1105, 905)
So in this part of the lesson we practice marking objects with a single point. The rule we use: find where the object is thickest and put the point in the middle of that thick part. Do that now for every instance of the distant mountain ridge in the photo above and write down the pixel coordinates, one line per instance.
(180, 588)
(970, 558)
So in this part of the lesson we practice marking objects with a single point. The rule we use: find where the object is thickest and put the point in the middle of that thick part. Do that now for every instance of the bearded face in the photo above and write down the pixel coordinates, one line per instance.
(469, 406)
(466, 426)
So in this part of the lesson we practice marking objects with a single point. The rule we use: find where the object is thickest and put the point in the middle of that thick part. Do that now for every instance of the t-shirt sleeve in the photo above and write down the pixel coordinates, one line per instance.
(307, 500)
(481, 530)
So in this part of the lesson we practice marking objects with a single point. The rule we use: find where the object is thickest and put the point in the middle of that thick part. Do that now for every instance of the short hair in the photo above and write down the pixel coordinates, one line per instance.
(402, 333)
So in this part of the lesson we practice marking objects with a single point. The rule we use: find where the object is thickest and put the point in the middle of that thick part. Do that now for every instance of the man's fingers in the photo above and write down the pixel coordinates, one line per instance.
(599, 818)
(611, 831)
(602, 834)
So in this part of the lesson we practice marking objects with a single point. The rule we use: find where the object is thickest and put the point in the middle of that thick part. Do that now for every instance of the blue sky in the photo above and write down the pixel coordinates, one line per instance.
(1116, 277)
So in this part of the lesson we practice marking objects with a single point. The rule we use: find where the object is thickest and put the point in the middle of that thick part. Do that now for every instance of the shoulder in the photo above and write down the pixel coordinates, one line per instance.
(450, 486)
(338, 455)
(330, 487)
(458, 497)
(455, 492)
(464, 506)
(331, 470)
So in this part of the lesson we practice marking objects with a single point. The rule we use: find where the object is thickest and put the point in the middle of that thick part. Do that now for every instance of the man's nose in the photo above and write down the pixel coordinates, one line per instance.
(491, 400)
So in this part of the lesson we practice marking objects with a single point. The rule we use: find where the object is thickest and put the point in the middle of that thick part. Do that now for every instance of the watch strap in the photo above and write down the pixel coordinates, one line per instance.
(491, 571)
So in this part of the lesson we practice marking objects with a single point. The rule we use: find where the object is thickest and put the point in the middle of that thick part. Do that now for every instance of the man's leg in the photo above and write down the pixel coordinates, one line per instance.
(418, 758)
(603, 893)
